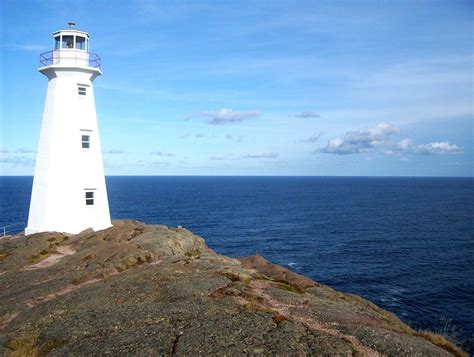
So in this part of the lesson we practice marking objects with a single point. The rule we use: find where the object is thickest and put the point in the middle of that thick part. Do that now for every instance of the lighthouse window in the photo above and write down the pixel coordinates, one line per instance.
(80, 43)
(86, 141)
(89, 198)
(57, 41)
(81, 90)
(68, 42)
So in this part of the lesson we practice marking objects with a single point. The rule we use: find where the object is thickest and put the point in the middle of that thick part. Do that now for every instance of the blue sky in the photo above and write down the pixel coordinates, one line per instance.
(255, 87)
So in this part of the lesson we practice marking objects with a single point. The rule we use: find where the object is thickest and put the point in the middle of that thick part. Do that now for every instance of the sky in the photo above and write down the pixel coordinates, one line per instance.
(338, 88)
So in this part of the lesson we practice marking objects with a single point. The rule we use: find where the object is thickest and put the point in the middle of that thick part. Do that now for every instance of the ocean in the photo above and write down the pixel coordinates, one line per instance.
(406, 244)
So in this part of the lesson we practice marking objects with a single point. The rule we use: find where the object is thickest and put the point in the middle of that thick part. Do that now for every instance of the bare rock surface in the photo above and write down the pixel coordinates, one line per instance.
(137, 289)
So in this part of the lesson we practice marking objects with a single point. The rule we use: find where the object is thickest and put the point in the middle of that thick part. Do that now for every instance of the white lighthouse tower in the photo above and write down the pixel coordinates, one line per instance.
(69, 193)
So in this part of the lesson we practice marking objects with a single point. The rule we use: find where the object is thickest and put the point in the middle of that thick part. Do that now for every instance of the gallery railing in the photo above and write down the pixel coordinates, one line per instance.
(70, 57)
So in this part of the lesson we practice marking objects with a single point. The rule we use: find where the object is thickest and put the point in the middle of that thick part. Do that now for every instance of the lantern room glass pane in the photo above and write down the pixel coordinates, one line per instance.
(81, 43)
(57, 41)
(68, 42)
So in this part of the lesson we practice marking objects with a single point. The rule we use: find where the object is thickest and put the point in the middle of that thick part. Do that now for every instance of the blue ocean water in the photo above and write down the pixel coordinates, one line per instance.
(406, 244)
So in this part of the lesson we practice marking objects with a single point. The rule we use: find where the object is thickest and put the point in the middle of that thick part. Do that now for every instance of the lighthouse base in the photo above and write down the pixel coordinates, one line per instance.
(31, 230)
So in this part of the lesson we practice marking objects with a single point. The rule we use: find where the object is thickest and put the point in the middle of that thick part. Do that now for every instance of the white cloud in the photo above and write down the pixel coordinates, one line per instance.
(113, 151)
(162, 153)
(361, 140)
(377, 139)
(219, 158)
(313, 139)
(5, 157)
(24, 150)
(435, 148)
(16, 160)
(108, 164)
(239, 138)
(441, 147)
(405, 144)
(256, 155)
(145, 163)
(261, 155)
(306, 114)
(226, 116)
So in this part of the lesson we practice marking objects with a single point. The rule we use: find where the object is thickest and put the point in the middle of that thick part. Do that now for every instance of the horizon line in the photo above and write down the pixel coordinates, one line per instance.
(362, 176)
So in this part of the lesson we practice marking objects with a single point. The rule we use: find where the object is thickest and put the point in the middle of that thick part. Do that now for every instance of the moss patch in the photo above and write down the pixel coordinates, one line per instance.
(42, 255)
(23, 346)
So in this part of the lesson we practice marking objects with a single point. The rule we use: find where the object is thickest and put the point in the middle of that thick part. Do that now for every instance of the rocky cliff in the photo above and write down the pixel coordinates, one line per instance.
(155, 290)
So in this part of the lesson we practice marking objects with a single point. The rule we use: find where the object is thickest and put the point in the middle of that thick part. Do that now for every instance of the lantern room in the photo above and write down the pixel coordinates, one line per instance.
(70, 48)
(71, 39)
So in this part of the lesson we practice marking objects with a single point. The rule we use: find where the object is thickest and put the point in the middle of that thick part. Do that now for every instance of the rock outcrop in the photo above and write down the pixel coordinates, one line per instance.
(137, 289)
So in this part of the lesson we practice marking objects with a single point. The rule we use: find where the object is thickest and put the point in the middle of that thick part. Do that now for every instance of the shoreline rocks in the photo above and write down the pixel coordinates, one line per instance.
(157, 290)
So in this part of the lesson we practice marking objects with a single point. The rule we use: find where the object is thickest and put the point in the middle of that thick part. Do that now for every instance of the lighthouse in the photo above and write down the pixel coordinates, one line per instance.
(69, 192)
